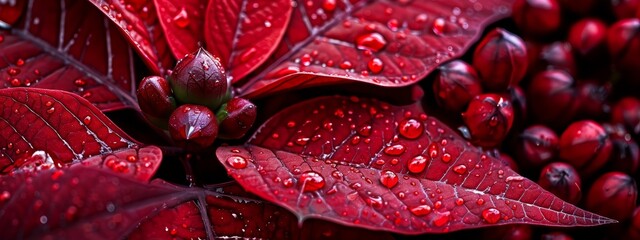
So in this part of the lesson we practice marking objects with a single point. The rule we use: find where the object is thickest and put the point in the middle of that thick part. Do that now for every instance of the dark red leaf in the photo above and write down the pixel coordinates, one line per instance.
(139, 22)
(327, 44)
(182, 22)
(68, 45)
(245, 33)
(66, 205)
(43, 129)
(365, 163)
(10, 11)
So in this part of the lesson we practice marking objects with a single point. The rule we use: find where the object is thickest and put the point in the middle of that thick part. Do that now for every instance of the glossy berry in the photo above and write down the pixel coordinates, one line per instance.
(537, 145)
(156, 100)
(592, 98)
(623, 42)
(456, 83)
(193, 127)
(489, 118)
(627, 112)
(501, 60)
(562, 180)
(587, 36)
(537, 17)
(238, 116)
(586, 146)
(519, 100)
(613, 195)
(556, 236)
(625, 156)
(555, 97)
(625, 8)
(199, 78)
(557, 55)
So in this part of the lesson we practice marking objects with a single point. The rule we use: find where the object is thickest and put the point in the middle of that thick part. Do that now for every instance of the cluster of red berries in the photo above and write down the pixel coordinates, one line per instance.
(195, 104)
(563, 97)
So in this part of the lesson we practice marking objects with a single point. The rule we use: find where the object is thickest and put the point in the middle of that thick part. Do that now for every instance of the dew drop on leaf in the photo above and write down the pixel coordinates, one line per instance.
(371, 41)
(460, 169)
(4, 196)
(491, 215)
(237, 162)
(311, 181)
(86, 120)
(287, 182)
(441, 218)
(417, 164)
(395, 150)
(346, 65)
(329, 5)
(421, 210)
(181, 19)
(248, 54)
(389, 179)
(375, 65)
(410, 128)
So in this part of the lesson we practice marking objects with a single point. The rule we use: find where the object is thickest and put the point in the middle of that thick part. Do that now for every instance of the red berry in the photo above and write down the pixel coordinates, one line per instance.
(537, 17)
(556, 236)
(625, 156)
(587, 36)
(156, 100)
(562, 180)
(193, 127)
(592, 98)
(489, 118)
(627, 112)
(623, 41)
(538, 145)
(240, 116)
(501, 60)
(586, 146)
(555, 97)
(613, 195)
(199, 78)
(456, 83)
(625, 8)
(519, 101)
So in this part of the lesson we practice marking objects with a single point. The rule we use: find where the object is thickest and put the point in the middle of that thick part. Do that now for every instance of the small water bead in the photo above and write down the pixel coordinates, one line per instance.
(13, 71)
(302, 141)
(420, 210)
(460, 169)
(86, 120)
(417, 164)
(410, 128)
(237, 162)
(375, 65)
(372, 41)
(439, 26)
(491, 215)
(441, 218)
(395, 150)
(291, 124)
(311, 181)
(446, 158)
(459, 201)
(305, 60)
(480, 201)
(346, 65)
(181, 19)
(389, 179)
(433, 150)
(355, 140)
(375, 202)
(132, 158)
(4, 196)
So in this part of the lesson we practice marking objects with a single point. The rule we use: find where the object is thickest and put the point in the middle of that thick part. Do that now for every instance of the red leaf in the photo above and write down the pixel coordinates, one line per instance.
(365, 163)
(66, 205)
(182, 22)
(67, 45)
(410, 39)
(139, 23)
(243, 34)
(43, 129)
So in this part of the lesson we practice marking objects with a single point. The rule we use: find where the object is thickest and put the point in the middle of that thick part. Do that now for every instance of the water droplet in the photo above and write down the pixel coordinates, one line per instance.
(305, 60)
(417, 164)
(446, 157)
(311, 181)
(287, 182)
(410, 128)
(302, 141)
(267, 24)
(15, 82)
(4, 196)
(421, 18)
(375, 65)
(371, 41)
(13, 71)
(480, 201)
(71, 212)
(421, 210)
(105, 7)
(491, 215)
(132, 158)
(459, 201)
(291, 124)
(247, 55)
(375, 202)
(441, 218)
(393, 24)
(389, 179)
(365, 131)
(439, 26)
(237, 162)
(395, 150)
(329, 5)
(346, 65)
(355, 140)
(56, 175)
(433, 150)
(460, 169)
(80, 82)
(86, 120)
(51, 110)
(181, 19)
